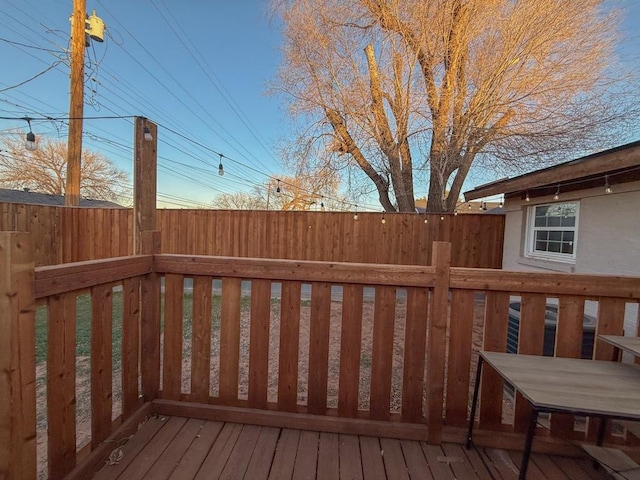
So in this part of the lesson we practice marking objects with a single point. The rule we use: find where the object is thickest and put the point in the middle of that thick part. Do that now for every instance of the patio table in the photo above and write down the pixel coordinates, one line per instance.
(594, 388)
(628, 344)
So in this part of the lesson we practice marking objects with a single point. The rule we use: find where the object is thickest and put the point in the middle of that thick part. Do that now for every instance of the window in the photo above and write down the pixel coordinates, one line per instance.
(552, 231)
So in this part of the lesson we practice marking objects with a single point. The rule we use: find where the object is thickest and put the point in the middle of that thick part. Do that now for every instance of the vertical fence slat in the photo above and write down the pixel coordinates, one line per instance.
(130, 345)
(319, 347)
(17, 361)
(495, 340)
(172, 358)
(230, 340)
(289, 345)
(61, 385)
(350, 348)
(382, 354)
(201, 339)
(610, 322)
(530, 342)
(460, 347)
(101, 363)
(415, 340)
(150, 320)
(259, 347)
(568, 344)
(436, 328)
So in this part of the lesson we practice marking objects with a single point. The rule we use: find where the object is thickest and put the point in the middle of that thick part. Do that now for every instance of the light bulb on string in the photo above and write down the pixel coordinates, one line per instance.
(557, 194)
(278, 187)
(607, 187)
(147, 133)
(355, 215)
(383, 221)
(30, 142)
(527, 198)
(220, 166)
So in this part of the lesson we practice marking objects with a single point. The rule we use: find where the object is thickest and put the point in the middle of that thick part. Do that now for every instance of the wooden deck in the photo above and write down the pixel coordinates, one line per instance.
(182, 448)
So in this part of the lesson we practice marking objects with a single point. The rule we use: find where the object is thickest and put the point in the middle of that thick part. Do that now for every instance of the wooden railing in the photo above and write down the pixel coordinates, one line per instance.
(384, 349)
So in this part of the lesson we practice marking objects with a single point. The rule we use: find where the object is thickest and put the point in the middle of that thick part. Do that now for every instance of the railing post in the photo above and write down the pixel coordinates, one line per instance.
(150, 321)
(436, 333)
(17, 357)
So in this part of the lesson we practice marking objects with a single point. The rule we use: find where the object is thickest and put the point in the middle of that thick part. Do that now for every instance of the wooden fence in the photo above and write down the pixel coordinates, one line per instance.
(386, 349)
(63, 235)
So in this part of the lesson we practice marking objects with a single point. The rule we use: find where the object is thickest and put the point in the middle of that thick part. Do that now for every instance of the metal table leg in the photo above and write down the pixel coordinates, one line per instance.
(602, 430)
(533, 421)
(474, 402)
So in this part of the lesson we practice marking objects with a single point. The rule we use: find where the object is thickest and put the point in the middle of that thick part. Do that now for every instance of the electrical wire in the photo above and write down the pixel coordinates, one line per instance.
(55, 64)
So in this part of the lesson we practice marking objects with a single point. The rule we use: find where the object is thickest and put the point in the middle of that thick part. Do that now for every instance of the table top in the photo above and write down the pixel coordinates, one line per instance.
(573, 385)
(628, 344)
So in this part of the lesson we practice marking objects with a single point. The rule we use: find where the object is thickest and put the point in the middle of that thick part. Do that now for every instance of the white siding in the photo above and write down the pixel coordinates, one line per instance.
(608, 236)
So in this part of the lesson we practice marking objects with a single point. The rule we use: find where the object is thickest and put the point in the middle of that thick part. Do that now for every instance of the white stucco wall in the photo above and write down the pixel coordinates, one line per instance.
(608, 239)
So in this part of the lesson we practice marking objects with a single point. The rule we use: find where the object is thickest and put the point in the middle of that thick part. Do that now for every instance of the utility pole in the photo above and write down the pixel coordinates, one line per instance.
(76, 104)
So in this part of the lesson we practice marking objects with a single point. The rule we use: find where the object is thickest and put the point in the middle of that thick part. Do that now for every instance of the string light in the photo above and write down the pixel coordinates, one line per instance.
(383, 221)
(278, 188)
(147, 134)
(220, 166)
(557, 195)
(441, 217)
(455, 212)
(527, 198)
(30, 143)
(355, 215)
(322, 205)
(426, 219)
(607, 187)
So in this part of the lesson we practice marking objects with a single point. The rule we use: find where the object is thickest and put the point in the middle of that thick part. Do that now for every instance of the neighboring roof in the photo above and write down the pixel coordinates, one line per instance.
(35, 198)
(619, 165)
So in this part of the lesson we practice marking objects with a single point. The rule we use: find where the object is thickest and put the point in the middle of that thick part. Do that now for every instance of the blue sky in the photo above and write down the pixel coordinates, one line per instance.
(199, 68)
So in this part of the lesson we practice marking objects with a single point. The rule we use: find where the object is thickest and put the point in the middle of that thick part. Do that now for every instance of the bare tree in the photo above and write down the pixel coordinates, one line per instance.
(43, 170)
(240, 201)
(398, 87)
(304, 191)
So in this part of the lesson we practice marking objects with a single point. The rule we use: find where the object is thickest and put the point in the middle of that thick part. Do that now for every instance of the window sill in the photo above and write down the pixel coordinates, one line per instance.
(547, 264)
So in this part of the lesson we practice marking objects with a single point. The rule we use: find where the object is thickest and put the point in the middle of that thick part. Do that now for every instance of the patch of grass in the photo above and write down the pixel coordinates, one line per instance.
(83, 323)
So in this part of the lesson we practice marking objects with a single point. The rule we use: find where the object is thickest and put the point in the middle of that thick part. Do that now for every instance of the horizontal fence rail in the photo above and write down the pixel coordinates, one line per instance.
(63, 235)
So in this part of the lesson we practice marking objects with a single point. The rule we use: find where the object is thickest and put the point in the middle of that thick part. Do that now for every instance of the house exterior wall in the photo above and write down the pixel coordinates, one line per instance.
(608, 238)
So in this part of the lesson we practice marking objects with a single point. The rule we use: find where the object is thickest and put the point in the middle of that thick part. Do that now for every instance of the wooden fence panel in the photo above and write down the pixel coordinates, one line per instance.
(495, 340)
(350, 348)
(172, 358)
(289, 346)
(230, 339)
(101, 363)
(568, 344)
(259, 347)
(415, 341)
(319, 347)
(382, 354)
(201, 339)
(63, 235)
(130, 346)
(61, 384)
(530, 342)
(459, 359)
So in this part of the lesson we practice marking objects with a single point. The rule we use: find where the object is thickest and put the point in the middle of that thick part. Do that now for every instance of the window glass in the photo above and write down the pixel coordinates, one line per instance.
(552, 231)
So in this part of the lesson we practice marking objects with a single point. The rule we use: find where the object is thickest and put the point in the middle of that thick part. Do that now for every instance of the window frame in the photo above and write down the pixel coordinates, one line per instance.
(531, 229)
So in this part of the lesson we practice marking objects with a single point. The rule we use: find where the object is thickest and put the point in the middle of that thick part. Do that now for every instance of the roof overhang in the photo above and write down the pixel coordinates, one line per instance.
(619, 165)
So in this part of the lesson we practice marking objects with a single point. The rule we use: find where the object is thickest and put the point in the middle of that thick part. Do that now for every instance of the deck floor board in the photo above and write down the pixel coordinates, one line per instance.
(187, 449)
